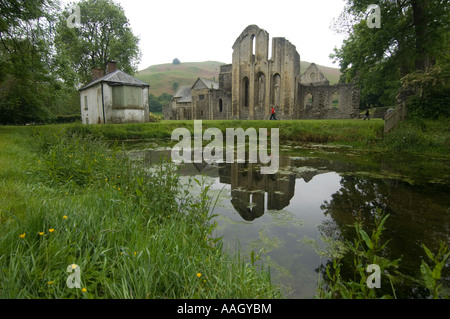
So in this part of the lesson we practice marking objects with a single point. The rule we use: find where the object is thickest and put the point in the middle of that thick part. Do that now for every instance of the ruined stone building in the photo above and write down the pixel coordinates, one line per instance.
(254, 82)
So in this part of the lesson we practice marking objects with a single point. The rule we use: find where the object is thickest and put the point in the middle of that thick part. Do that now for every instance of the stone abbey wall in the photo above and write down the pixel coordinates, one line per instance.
(259, 82)
(254, 82)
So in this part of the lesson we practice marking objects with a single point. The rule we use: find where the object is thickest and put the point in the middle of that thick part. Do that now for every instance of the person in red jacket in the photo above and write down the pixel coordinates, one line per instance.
(272, 116)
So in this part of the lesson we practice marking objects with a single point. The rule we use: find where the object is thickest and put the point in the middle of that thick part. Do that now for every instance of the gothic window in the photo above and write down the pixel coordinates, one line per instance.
(253, 38)
(261, 89)
(335, 100)
(308, 101)
(246, 91)
(220, 105)
(276, 89)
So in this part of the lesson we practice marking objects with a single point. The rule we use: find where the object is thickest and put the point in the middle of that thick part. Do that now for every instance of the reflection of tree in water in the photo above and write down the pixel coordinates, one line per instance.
(418, 214)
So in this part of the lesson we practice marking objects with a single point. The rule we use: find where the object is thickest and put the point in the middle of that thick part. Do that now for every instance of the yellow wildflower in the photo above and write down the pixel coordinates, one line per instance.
(51, 230)
(65, 217)
(22, 235)
(84, 290)
(199, 275)
(50, 282)
(41, 233)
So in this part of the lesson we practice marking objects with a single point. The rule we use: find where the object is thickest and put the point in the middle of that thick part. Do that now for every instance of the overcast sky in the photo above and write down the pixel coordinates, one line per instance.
(202, 30)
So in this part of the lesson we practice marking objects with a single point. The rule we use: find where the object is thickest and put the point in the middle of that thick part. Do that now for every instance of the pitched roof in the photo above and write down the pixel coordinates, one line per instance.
(313, 75)
(206, 83)
(117, 77)
(184, 93)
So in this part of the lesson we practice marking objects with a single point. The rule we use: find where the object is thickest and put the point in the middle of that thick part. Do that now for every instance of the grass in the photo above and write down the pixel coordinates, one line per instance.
(69, 199)
(69, 196)
(422, 136)
(367, 248)
(347, 132)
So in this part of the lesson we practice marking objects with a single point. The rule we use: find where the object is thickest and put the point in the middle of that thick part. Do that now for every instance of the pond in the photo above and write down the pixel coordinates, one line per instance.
(294, 218)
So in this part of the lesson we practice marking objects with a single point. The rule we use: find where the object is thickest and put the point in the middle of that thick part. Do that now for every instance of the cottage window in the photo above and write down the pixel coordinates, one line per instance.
(201, 97)
(129, 97)
(85, 103)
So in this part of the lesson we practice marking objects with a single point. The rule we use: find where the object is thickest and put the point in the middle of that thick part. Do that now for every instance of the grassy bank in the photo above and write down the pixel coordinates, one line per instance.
(351, 132)
(423, 136)
(69, 199)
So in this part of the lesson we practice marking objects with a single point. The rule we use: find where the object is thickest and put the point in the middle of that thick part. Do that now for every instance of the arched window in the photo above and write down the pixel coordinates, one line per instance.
(253, 39)
(308, 101)
(260, 92)
(220, 105)
(245, 91)
(335, 100)
(270, 50)
(276, 91)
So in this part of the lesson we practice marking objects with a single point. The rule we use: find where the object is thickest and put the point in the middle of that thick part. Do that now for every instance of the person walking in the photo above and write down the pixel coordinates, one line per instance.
(367, 115)
(272, 115)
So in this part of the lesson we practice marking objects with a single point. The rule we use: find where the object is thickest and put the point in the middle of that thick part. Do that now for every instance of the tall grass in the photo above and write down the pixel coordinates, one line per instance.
(418, 135)
(350, 132)
(367, 248)
(415, 135)
(134, 232)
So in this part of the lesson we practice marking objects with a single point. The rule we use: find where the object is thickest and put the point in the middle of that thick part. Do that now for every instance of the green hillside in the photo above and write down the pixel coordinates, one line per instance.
(162, 77)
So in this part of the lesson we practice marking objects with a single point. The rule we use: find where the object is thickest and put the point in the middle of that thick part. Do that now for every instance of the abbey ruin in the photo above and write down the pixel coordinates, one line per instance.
(253, 83)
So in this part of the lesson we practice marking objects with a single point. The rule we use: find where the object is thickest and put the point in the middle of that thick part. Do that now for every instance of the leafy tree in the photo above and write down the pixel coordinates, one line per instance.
(104, 34)
(176, 61)
(156, 103)
(414, 36)
(27, 85)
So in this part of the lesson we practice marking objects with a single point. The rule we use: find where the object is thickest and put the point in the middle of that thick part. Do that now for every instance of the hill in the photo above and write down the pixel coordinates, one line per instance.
(162, 77)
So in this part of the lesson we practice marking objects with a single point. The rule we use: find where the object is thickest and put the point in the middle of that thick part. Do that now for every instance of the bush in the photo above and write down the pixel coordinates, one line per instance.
(434, 107)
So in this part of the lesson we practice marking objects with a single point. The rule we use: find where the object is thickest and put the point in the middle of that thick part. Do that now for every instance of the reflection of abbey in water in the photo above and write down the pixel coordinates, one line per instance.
(253, 193)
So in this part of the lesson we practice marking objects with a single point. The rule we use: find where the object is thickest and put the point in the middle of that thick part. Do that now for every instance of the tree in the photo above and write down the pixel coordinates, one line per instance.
(413, 37)
(104, 34)
(176, 61)
(27, 85)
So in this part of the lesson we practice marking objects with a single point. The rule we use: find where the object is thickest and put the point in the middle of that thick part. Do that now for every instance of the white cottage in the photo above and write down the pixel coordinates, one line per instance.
(114, 98)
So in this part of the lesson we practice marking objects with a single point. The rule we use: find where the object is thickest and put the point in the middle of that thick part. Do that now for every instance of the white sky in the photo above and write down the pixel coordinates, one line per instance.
(202, 30)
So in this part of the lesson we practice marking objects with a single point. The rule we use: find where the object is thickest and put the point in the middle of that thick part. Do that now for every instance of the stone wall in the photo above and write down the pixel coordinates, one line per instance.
(254, 82)
(257, 82)
(338, 101)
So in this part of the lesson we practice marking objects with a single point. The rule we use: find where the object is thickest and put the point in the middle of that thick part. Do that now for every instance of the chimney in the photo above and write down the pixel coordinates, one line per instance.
(112, 66)
(96, 73)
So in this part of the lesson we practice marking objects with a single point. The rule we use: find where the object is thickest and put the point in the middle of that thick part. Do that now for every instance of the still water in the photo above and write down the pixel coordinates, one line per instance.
(294, 218)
